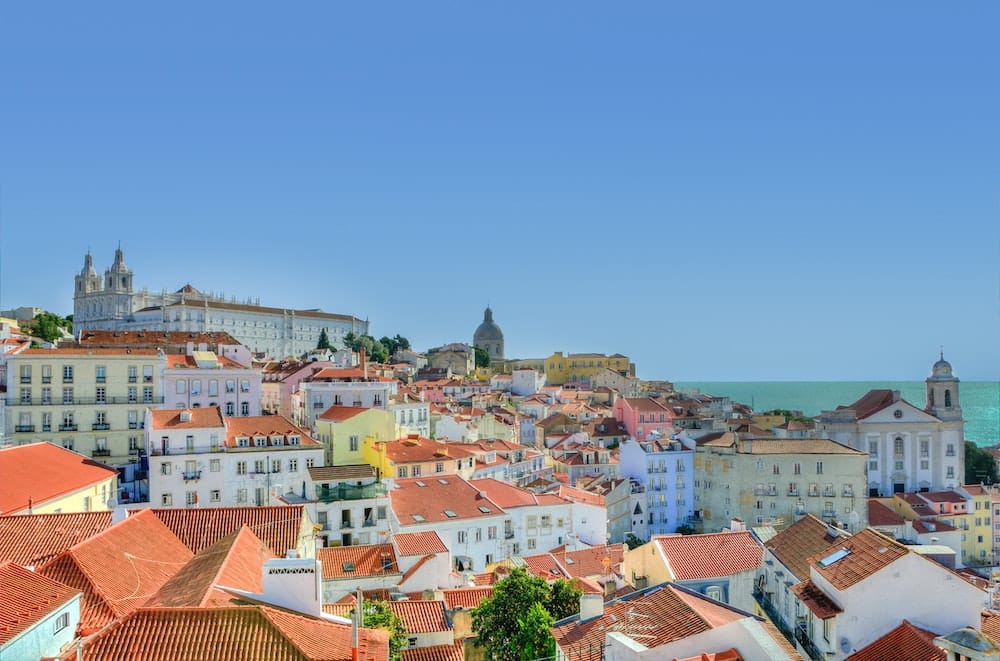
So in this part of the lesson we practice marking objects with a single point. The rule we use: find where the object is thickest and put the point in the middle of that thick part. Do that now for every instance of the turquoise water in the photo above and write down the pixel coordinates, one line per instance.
(980, 399)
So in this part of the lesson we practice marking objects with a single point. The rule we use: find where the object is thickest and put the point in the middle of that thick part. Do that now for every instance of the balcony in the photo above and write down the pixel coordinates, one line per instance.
(508, 534)
(46, 379)
(793, 492)
(772, 492)
(814, 494)
(100, 426)
(766, 605)
(349, 492)
(133, 425)
(368, 523)
(25, 379)
(68, 427)
(46, 427)
(191, 475)
(848, 493)
(829, 514)
(133, 450)
(84, 401)
(802, 638)
(829, 493)
(24, 428)
(101, 453)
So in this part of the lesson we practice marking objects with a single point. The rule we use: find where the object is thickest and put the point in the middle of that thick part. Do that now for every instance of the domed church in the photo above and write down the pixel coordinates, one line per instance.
(489, 337)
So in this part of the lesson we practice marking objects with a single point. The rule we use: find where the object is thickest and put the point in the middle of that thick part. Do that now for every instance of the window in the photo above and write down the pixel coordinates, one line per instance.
(276, 465)
(167, 500)
(245, 408)
(381, 511)
(775, 470)
(354, 443)
(46, 374)
(189, 443)
(241, 495)
(872, 448)
(230, 385)
(195, 386)
(401, 471)
(191, 498)
(61, 623)
(310, 462)
(925, 448)
(230, 409)
(950, 450)
(215, 465)
(819, 467)
(897, 446)
(244, 385)
(86, 503)
(416, 471)
(259, 466)
(147, 395)
(215, 495)
(67, 443)
(67, 396)
(925, 464)
(491, 532)
(439, 467)
(531, 543)
(949, 472)
(132, 374)
(462, 537)
(100, 373)
(213, 387)
(293, 465)
(132, 397)
(164, 469)
(46, 395)
(147, 373)
(181, 386)
(241, 468)
(898, 465)
(46, 422)
(873, 465)
(67, 374)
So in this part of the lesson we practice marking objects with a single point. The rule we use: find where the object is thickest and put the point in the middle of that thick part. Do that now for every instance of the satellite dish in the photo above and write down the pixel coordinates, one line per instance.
(845, 645)
(854, 519)
(112, 503)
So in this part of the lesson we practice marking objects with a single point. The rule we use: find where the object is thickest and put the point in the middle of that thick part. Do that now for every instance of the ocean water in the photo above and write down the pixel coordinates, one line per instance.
(980, 399)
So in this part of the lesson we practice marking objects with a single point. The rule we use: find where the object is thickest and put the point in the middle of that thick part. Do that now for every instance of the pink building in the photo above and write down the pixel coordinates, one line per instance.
(281, 380)
(203, 379)
(644, 418)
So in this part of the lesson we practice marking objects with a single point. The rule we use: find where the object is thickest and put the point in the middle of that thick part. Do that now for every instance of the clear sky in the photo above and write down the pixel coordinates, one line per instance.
(722, 191)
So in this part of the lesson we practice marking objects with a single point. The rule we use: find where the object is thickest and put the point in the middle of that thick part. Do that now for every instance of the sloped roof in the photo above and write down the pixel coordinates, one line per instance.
(37, 473)
(904, 643)
(265, 425)
(278, 526)
(343, 562)
(794, 545)
(710, 555)
(341, 413)
(882, 515)
(236, 561)
(590, 561)
(816, 600)
(869, 552)
(119, 569)
(466, 598)
(419, 543)
(32, 539)
(431, 499)
(242, 633)
(197, 418)
(421, 616)
(454, 652)
(26, 598)
(337, 473)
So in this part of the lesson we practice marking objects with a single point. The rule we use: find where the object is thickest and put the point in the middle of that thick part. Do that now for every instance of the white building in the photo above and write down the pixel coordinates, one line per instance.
(348, 503)
(664, 469)
(111, 303)
(910, 449)
(540, 522)
(203, 379)
(412, 415)
(198, 458)
(353, 386)
(525, 382)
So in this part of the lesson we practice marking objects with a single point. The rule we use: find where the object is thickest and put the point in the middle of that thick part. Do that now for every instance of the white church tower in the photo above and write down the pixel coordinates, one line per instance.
(942, 392)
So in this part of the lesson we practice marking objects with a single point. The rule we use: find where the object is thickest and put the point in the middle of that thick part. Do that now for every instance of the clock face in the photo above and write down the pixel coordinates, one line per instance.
(898, 413)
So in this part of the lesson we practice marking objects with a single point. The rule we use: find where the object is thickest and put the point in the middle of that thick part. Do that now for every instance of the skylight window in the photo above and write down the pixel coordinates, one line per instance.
(443, 481)
(450, 514)
(839, 554)
(419, 518)
(348, 567)
(420, 484)
(484, 509)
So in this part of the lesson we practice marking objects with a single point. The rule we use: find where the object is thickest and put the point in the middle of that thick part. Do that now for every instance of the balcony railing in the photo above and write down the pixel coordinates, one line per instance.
(814, 494)
(802, 637)
(68, 427)
(84, 401)
(21, 428)
(192, 475)
(508, 534)
(349, 492)
(829, 493)
(25, 379)
(100, 426)
(768, 607)
(368, 523)
(829, 514)
(848, 493)
(133, 425)
(100, 453)
(793, 492)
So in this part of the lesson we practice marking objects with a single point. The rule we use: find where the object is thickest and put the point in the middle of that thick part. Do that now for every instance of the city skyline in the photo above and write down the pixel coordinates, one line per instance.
(763, 193)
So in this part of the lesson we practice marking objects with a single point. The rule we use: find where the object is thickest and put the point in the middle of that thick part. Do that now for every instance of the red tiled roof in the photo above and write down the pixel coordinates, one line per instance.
(710, 555)
(265, 425)
(341, 413)
(90, 351)
(367, 560)
(904, 643)
(236, 561)
(466, 598)
(869, 553)
(198, 528)
(26, 598)
(33, 539)
(794, 545)
(419, 543)
(454, 652)
(199, 418)
(421, 616)
(590, 561)
(975, 490)
(152, 337)
(174, 361)
(882, 515)
(507, 495)
(431, 503)
(990, 621)
(932, 525)
(242, 633)
(119, 569)
(871, 402)
(816, 600)
(942, 496)
(416, 449)
(40, 472)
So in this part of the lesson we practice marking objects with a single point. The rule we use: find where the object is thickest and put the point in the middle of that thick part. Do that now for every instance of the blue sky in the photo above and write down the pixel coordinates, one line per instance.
(722, 191)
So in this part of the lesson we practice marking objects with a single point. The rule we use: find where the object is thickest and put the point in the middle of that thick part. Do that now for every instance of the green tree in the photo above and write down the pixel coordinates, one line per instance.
(378, 352)
(47, 326)
(482, 357)
(389, 344)
(634, 542)
(402, 344)
(377, 615)
(501, 619)
(980, 466)
(533, 639)
(324, 340)
(564, 599)
(684, 529)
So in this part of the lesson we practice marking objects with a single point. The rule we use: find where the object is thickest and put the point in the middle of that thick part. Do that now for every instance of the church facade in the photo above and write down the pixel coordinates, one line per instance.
(111, 303)
(909, 448)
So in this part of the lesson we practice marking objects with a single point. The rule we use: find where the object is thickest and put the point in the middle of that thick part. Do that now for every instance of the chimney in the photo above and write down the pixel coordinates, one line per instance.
(295, 584)
(591, 606)
(737, 525)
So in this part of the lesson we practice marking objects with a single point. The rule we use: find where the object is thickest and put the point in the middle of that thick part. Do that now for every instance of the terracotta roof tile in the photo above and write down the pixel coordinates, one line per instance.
(710, 555)
(198, 418)
(341, 562)
(466, 598)
(454, 652)
(794, 545)
(33, 539)
(266, 425)
(439, 496)
(38, 472)
(421, 616)
(882, 515)
(869, 552)
(236, 561)
(590, 562)
(990, 621)
(90, 351)
(414, 448)
(198, 528)
(816, 600)
(154, 338)
(418, 543)
(904, 643)
(243, 633)
(118, 570)
(341, 413)
(26, 598)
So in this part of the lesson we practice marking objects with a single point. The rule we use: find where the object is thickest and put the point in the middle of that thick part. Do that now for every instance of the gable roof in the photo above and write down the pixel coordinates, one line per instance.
(904, 643)
(433, 499)
(197, 418)
(278, 526)
(241, 633)
(418, 543)
(882, 515)
(32, 539)
(794, 545)
(466, 598)
(37, 473)
(710, 555)
(341, 413)
(588, 562)
(119, 569)
(236, 561)
(455, 652)
(868, 553)
(345, 562)
(27, 598)
(265, 425)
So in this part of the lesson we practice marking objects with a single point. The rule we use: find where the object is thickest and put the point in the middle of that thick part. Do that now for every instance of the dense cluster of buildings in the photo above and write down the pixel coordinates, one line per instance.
(187, 473)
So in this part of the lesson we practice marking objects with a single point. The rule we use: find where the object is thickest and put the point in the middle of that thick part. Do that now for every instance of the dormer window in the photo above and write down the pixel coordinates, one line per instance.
(293, 440)
(243, 442)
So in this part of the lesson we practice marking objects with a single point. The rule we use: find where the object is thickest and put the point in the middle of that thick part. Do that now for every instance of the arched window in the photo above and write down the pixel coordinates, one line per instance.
(947, 399)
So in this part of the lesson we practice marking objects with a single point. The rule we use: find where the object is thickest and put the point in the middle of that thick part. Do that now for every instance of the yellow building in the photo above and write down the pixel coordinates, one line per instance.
(582, 367)
(346, 430)
(414, 456)
(43, 478)
(88, 400)
(981, 525)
